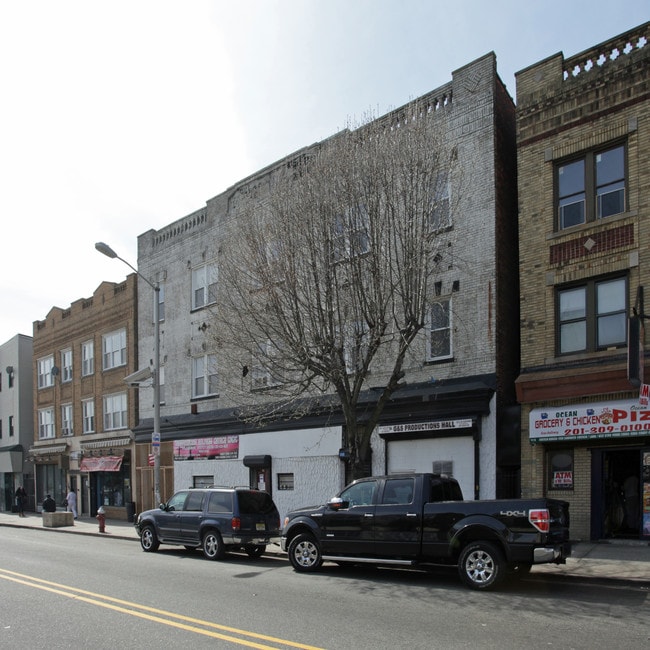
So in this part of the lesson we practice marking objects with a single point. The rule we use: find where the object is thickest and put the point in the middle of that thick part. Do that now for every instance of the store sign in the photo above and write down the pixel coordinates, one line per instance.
(619, 419)
(216, 447)
(101, 464)
(438, 425)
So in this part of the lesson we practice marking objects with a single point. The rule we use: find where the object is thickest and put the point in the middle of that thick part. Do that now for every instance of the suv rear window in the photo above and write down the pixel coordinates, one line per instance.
(255, 503)
(220, 502)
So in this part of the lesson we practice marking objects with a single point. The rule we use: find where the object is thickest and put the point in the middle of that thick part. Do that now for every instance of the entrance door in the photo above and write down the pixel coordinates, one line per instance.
(616, 493)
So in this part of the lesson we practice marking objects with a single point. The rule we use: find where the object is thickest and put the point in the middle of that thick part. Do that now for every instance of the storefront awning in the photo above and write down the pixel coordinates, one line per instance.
(47, 451)
(101, 464)
(106, 444)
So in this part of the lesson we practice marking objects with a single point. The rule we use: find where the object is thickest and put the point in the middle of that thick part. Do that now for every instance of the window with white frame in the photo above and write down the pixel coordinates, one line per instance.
(88, 415)
(350, 237)
(591, 187)
(204, 285)
(46, 423)
(66, 420)
(87, 358)
(66, 365)
(44, 369)
(439, 343)
(262, 375)
(592, 315)
(204, 376)
(114, 349)
(115, 414)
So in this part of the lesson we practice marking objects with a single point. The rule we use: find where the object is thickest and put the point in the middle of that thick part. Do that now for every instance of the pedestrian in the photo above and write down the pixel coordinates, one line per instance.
(49, 504)
(21, 498)
(71, 502)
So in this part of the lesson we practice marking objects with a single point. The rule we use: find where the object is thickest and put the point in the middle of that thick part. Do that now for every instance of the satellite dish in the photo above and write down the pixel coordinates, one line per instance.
(10, 370)
(55, 371)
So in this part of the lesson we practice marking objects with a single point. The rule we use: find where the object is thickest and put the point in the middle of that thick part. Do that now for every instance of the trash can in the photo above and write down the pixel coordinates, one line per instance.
(130, 511)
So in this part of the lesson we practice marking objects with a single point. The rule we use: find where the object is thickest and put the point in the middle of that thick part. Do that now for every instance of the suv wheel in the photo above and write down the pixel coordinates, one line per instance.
(212, 545)
(304, 553)
(148, 539)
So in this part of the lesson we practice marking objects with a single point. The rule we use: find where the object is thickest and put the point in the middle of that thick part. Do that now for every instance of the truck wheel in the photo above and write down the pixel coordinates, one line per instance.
(212, 545)
(148, 540)
(304, 553)
(481, 565)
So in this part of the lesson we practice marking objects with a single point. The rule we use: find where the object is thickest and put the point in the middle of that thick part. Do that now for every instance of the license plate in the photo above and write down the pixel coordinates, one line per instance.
(260, 526)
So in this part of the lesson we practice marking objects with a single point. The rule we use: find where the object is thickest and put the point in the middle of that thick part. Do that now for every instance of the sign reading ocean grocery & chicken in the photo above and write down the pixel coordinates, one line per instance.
(618, 419)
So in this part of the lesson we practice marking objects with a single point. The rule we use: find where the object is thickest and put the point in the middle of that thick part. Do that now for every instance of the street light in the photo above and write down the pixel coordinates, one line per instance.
(105, 249)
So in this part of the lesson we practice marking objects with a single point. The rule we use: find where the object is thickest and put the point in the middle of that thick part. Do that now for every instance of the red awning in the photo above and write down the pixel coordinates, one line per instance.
(101, 464)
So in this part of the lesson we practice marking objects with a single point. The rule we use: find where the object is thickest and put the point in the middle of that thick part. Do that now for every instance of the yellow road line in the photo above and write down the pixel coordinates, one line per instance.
(148, 613)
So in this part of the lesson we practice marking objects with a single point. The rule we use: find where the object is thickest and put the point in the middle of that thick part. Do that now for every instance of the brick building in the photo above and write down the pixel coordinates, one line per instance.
(456, 413)
(84, 412)
(583, 148)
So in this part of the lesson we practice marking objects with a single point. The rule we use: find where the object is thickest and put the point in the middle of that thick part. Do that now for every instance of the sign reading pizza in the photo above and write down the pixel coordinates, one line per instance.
(619, 419)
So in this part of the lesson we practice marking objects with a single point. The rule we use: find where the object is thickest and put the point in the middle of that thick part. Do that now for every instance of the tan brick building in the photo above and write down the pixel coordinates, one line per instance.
(84, 413)
(583, 127)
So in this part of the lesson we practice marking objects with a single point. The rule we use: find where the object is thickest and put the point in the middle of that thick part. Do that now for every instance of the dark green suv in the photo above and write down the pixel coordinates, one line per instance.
(214, 519)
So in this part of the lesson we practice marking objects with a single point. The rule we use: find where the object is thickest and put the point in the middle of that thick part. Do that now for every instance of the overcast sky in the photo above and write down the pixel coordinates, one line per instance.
(124, 115)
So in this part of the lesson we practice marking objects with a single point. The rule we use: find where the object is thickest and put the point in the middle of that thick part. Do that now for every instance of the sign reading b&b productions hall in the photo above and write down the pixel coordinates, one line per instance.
(617, 419)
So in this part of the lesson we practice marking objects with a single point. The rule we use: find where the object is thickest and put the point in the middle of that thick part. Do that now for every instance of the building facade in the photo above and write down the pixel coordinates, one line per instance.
(84, 411)
(16, 421)
(583, 147)
(454, 414)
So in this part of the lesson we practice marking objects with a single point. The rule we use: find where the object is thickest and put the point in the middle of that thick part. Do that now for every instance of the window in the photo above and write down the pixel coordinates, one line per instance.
(114, 349)
(66, 365)
(204, 376)
(66, 420)
(204, 285)
(360, 494)
(88, 415)
(439, 343)
(591, 187)
(87, 358)
(398, 491)
(592, 316)
(46, 423)
(262, 372)
(350, 237)
(560, 468)
(115, 416)
(11, 426)
(355, 346)
(440, 211)
(285, 482)
(44, 369)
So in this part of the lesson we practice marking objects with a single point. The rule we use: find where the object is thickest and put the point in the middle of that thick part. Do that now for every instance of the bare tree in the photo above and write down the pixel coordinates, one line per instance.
(326, 276)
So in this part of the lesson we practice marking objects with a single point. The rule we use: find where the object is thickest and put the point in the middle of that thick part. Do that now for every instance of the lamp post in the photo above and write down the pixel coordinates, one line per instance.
(105, 249)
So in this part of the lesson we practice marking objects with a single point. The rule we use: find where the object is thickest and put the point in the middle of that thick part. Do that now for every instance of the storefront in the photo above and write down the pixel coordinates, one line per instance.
(597, 456)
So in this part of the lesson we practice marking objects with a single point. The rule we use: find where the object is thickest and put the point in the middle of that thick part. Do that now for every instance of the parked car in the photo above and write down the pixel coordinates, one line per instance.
(421, 519)
(214, 519)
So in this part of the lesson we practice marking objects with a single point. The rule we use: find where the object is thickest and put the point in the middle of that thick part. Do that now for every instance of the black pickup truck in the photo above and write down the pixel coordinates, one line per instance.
(420, 520)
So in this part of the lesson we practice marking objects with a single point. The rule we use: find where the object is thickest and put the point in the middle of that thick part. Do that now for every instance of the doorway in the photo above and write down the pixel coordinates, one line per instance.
(616, 499)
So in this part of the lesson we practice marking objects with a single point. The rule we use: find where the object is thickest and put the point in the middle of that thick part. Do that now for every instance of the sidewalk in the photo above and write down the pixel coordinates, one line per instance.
(622, 560)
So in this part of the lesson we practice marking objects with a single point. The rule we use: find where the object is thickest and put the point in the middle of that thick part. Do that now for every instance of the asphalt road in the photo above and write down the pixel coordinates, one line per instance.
(61, 591)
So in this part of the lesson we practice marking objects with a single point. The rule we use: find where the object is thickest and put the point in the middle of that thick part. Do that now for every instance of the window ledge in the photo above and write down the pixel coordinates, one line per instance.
(595, 225)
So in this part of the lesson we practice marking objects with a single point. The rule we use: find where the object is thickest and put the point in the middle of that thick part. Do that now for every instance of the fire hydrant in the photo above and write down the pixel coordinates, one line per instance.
(101, 518)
